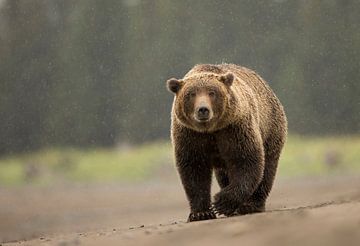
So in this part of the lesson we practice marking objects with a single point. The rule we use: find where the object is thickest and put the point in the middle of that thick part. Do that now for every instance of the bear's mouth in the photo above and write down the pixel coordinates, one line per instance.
(202, 123)
(202, 119)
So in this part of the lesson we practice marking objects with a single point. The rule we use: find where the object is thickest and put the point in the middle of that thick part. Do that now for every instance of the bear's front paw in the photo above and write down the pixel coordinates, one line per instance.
(225, 203)
(206, 215)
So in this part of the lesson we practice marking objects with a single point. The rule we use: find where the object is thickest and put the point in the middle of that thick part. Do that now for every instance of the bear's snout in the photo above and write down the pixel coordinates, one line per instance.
(203, 113)
(203, 108)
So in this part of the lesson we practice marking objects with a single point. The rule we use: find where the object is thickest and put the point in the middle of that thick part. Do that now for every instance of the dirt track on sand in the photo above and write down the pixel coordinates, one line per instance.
(307, 211)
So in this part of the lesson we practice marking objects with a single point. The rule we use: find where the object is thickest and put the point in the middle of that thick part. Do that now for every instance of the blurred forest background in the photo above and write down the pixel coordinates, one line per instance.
(92, 73)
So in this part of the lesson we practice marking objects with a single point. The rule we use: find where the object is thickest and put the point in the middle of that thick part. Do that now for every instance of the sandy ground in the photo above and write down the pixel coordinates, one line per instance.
(306, 211)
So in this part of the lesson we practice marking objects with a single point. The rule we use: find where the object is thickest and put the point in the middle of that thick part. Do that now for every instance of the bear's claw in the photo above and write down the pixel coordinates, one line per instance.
(206, 215)
(229, 208)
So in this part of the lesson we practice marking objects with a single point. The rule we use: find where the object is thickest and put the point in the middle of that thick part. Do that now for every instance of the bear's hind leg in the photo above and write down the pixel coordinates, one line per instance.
(222, 178)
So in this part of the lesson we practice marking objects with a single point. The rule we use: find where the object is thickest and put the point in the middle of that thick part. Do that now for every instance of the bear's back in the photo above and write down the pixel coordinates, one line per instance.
(268, 110)
(250, 77)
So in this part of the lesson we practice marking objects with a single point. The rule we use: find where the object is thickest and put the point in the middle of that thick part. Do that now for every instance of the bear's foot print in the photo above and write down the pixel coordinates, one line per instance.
(207, 215)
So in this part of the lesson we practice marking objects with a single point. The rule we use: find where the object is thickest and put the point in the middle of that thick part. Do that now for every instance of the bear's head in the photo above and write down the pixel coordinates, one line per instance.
(202, 101)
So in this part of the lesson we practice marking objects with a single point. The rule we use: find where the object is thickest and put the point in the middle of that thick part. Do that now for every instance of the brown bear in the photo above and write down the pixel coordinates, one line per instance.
(226, 119)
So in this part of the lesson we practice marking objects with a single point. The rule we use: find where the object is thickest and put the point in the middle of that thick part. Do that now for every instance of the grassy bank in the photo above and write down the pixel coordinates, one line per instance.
(301, 156)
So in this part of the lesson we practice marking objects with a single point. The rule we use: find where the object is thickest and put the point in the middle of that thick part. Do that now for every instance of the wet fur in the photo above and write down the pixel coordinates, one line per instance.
(242, 148)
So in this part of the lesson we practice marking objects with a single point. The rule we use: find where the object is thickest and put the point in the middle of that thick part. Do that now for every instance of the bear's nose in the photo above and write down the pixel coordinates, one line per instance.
(203, 113)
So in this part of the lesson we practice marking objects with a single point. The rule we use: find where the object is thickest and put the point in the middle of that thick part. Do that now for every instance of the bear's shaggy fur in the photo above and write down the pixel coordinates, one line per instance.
(226, 119)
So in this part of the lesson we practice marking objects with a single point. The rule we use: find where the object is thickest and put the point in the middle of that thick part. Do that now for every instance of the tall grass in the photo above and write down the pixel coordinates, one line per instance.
(301, 156)
(319, 156)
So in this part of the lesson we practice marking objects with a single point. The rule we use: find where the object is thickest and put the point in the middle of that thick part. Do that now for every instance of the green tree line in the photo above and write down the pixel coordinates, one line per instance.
(92, 73)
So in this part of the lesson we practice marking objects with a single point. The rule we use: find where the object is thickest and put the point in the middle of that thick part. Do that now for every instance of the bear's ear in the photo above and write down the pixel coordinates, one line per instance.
(227, 78)
(174, 85)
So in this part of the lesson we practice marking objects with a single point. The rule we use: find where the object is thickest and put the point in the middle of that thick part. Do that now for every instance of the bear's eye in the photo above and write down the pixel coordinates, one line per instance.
(212, 93)
(192, 94)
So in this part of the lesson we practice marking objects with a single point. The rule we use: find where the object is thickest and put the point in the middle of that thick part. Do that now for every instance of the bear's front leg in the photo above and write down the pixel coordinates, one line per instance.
(196, 180)
(195, 176)
(244, 156)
